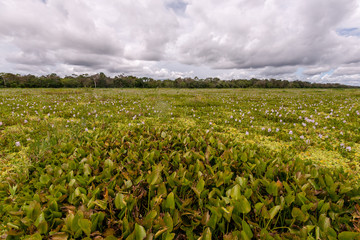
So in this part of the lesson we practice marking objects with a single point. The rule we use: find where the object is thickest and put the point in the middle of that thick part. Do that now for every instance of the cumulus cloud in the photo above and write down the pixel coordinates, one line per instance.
(309, 40)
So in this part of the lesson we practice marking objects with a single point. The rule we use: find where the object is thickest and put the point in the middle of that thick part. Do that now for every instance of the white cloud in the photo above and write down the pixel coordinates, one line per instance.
(177, 38)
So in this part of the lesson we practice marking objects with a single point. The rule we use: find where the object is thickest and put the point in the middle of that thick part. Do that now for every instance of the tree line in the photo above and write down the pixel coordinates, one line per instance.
(100, 80)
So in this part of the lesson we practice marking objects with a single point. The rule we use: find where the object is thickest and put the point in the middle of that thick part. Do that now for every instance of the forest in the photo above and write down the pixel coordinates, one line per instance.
(100, 80)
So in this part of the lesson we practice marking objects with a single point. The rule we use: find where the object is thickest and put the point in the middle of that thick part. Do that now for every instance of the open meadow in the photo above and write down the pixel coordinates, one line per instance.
(180, 164)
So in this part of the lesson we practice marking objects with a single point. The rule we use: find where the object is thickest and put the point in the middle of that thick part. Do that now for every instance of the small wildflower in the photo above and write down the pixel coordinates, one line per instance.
(17, 144)
(86, 129)
(348, 148)
(246, 133)
(290, 132)
(301, 137)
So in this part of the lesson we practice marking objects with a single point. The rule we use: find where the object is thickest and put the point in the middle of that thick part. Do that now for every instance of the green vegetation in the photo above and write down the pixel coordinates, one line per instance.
(100, 80)
(179, 164)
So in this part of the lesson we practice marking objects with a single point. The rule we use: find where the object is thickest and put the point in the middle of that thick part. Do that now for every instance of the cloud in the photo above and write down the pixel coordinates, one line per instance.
(171, 38)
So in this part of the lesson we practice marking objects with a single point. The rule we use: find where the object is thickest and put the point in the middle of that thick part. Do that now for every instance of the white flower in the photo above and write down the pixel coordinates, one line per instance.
(290, 132)
(17, 144)
(269, 130)
(348, 148)
(304, 124)
(277, 129)
(86, 129)
(247, 133)
(301, 137)
(1, 123)
(25, 121)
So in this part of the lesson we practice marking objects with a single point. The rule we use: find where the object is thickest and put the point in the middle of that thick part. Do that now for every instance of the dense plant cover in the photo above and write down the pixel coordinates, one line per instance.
(9, 80)
(179, 164)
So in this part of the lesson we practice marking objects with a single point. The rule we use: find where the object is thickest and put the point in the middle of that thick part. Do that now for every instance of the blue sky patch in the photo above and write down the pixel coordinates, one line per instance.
(178, 6)
(349, 32)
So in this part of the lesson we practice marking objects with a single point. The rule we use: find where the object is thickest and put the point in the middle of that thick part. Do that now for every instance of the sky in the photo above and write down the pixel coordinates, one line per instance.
(308, 40)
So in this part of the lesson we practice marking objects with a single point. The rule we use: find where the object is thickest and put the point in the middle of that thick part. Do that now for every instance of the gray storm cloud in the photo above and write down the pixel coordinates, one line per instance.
(317, 41)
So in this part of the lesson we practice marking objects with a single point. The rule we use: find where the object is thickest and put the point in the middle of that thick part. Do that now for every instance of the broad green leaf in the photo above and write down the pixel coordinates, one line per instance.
(329, 181)
(349, 235)
(298, 214)
(170, 201)
(244, 205)
(200, 185)
(247, 229)
(85, 226)
(168, 221)
(140, 232)
(272, 188)
(120, 201)
(274, 210)
(154, 176)
(44, 179)
(324, 222)
(207, 234)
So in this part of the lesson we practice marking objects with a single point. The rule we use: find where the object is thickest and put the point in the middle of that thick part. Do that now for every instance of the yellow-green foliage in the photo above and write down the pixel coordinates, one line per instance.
(179, 163)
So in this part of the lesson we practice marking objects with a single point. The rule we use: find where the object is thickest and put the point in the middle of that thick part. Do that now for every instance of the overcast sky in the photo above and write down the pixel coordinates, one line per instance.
(311, 40)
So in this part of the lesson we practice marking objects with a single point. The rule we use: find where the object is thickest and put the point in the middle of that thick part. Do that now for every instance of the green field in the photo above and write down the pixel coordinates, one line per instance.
(179, 164)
